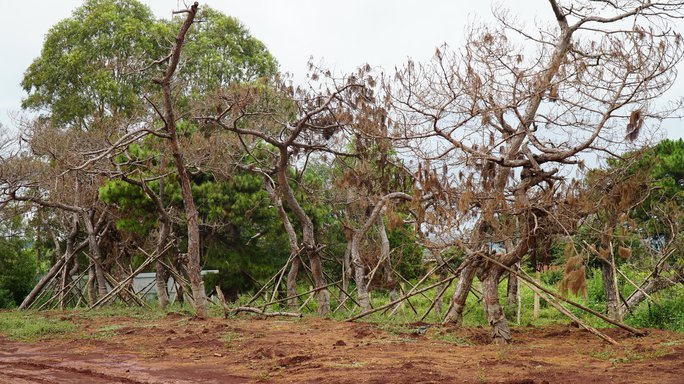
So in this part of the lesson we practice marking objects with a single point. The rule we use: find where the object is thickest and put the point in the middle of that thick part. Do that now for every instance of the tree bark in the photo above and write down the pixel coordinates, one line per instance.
(535, 311)
(512, 292)
(458, 300)
(70, 259)
(360, 272)
(162, 275)
(90, 284)
(612, 296)
(95, 253)
(161, 278)
(654, 285)
(308, 236)
(388, 274)
(292, 238)
(346, 272)
(494, 312)
(193, 265)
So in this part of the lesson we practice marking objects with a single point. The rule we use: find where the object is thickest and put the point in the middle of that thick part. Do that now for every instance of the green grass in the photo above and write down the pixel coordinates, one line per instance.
(626, 356)
(30, 326)
(668, 315)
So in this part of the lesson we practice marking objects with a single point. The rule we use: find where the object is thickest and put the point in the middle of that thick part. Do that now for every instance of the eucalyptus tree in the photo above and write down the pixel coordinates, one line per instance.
(500, 124)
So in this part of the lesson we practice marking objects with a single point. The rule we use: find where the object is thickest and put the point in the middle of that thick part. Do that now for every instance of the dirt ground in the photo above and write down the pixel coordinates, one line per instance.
(177, 349)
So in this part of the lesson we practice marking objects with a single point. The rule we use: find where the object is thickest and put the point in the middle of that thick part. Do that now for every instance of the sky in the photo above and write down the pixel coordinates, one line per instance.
(340, 35)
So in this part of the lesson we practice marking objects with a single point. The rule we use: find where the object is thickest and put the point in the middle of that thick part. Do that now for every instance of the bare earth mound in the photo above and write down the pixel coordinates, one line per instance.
(181, 350)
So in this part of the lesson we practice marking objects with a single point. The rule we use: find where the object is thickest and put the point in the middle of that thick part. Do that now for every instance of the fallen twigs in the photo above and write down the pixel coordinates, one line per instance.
(228, 311)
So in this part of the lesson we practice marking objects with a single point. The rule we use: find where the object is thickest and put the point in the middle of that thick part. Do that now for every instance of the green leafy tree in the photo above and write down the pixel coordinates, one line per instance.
(18, 270)
(219, 52)
(89, 65)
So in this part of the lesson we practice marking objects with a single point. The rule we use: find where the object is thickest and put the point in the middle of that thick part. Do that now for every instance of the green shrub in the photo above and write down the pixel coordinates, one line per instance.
(17, 273)
(667, 314)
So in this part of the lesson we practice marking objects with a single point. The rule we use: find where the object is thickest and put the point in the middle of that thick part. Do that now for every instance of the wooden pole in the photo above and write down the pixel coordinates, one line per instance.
(554, 303)
(562, 298)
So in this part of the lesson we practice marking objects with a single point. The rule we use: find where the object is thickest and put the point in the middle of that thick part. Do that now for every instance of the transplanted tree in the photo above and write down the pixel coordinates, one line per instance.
(294, 125)
(638, 200)
(503, 120)
(96, 65)
(372, 186)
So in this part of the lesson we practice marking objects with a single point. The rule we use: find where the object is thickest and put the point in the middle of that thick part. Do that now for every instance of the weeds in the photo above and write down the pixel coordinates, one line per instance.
(29, 325)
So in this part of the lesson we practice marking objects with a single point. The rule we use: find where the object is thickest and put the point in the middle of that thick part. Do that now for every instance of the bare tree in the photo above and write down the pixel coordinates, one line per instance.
(501, 123)
(193, 263)
(281, 127)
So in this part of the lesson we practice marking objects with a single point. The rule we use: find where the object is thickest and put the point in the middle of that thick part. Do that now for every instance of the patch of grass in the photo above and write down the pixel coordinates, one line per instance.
(672, 343)
(29, 326)
(106, 332)
(229, 337)
(627, 356)
(449, 338)
(396, 329)
(353, 364)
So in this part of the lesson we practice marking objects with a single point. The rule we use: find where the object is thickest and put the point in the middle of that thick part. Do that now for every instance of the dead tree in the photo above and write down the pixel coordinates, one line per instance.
(193, 265)
(498, 126)
(358, 234)
(281, 126)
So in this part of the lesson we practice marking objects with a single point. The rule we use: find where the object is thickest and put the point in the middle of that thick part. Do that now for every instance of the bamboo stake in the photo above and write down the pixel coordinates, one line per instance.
(121, 285)
(437, 297)
(262, 313)
(554, 303)
(662, 259)
(433, 270)
(406, 296)
(64, 290)
(638, 288)
(301, 294)
(562, 298)
(535, 312)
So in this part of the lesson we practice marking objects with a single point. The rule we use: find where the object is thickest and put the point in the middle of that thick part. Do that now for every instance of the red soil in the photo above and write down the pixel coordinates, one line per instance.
(182, 350)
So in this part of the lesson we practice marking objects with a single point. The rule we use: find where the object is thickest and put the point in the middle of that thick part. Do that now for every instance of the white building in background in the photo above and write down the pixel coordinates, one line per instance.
(144, 284)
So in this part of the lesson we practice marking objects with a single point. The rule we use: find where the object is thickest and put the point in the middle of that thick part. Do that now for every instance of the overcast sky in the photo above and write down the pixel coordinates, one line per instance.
(341, 34)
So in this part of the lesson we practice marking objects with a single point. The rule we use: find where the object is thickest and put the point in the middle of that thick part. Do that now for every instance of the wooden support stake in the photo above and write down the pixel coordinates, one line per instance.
(562, 298)
(554, 303)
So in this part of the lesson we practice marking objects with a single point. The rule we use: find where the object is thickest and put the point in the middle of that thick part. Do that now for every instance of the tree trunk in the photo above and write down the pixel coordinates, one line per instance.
(322, 295)
(292, 282)
(70, 259)
(95, 253)
(458, 300)
(535, 313)
(360, 272)
(612, 296)
(64, 281)
(90, 284)
(346, 272)
(308, 236)
(162, 275)
(512, 292)
(388, 274)
(193, 265)
(654, 285)
(495, 315)
(161, 278)
(294, 243)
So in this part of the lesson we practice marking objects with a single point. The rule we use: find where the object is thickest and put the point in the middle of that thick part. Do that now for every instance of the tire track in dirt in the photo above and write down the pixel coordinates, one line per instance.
(41, 373)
